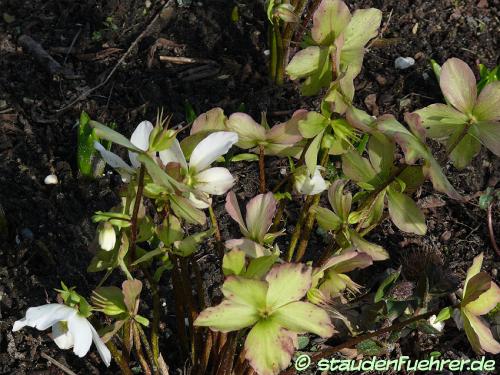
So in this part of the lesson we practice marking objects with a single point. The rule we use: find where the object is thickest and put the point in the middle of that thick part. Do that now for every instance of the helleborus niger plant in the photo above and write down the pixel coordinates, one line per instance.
(168, 236)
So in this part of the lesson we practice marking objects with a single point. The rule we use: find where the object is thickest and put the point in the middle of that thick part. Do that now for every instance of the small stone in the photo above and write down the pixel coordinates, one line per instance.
(419, 56)
(51, 179)
(404, 62)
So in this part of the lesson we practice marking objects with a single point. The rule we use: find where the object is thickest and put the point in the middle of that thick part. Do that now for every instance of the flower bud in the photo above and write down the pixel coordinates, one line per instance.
(107, 237)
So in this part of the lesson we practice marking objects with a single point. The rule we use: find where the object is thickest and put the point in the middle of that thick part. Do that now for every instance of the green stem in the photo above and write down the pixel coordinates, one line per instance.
(262, 170)
(138, 351)
(218, 237)
(135, 212)
(118, 357)
(147, 348)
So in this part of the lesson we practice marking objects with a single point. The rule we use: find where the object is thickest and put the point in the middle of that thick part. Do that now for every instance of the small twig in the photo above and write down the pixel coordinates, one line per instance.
(72, 45)
(58, 364)
(161, 15)
(185, 60)
(491, 230)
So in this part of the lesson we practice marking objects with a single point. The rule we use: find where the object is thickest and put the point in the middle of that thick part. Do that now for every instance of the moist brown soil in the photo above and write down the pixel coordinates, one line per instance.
(49, 229)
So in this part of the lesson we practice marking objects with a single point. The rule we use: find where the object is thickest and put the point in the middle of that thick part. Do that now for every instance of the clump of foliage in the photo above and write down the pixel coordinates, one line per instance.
(270, 296)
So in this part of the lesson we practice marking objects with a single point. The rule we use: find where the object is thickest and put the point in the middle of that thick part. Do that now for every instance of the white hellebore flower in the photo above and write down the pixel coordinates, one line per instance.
(307, 184)
(198, 174)
(107, 237)
(437, 326)
(140, 139)
(69, 328)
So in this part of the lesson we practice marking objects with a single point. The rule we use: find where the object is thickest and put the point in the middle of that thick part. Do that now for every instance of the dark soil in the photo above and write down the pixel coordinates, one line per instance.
(49, 230)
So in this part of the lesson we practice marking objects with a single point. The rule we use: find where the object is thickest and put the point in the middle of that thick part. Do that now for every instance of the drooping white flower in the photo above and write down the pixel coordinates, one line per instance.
(438, 326)
(69, 328)
(197, 172)
(107, 237)
(140, 139)
(307, 184)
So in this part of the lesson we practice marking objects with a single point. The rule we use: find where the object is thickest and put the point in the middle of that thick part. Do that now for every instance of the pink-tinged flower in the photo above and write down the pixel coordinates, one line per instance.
(259, 218)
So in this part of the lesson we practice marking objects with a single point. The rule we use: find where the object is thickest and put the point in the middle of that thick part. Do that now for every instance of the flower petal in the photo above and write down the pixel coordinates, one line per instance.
(102, 349)
(233, 209)
(287, 132)
(249, 132)
(458, 85)
(45, 316)
(215, 181)
(486, 301)
(269, 348)
(305, 184)
(210, 148)
(113, 160)
(259, 216)
(140, 139)
(245, 291)
(249, 247)
(302, 317)
(288, 282)
(489, 134)
(199, 201)
(441, 120)
(488, 103)
(173, 154)
(61, 336)
(479, 334)
(209, 121)
(473, 270)
(329, 20)
(80, 329)
(227, 316)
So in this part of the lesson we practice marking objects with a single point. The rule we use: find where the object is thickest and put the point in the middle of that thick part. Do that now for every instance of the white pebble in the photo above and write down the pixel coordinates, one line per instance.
(404, 62)
(267, 52)
(51, 179)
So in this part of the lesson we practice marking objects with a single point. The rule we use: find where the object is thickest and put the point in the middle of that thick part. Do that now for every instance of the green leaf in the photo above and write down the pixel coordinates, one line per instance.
(375, 251)
(111, 135)
(327, 219)
(311, 157)
(358, 168)
(131, 292)
(141, 320)
(444, 314)
(190, 244)
(234, 262)
(159, 176)
(487, 107)
(244, 157)
(185, 209)
(258, 267)
(170, 230)
(149, 255)
(385, 286)
(313, 124)
(404, 213)
(489, 135)
(269, 348)
(109, 300)
(370, 348)
(86, 150)
(464, 152)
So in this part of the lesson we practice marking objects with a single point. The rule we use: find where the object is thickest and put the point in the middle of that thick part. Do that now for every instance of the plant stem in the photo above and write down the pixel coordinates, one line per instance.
(139, 352)
(135, 212)
(179, 307)
(118, 357)
(145, 342)
(298, 228)
(156, 318)
(262, 170)
(218, 237)
(356, 340)
(491, 231)
(306, 232)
